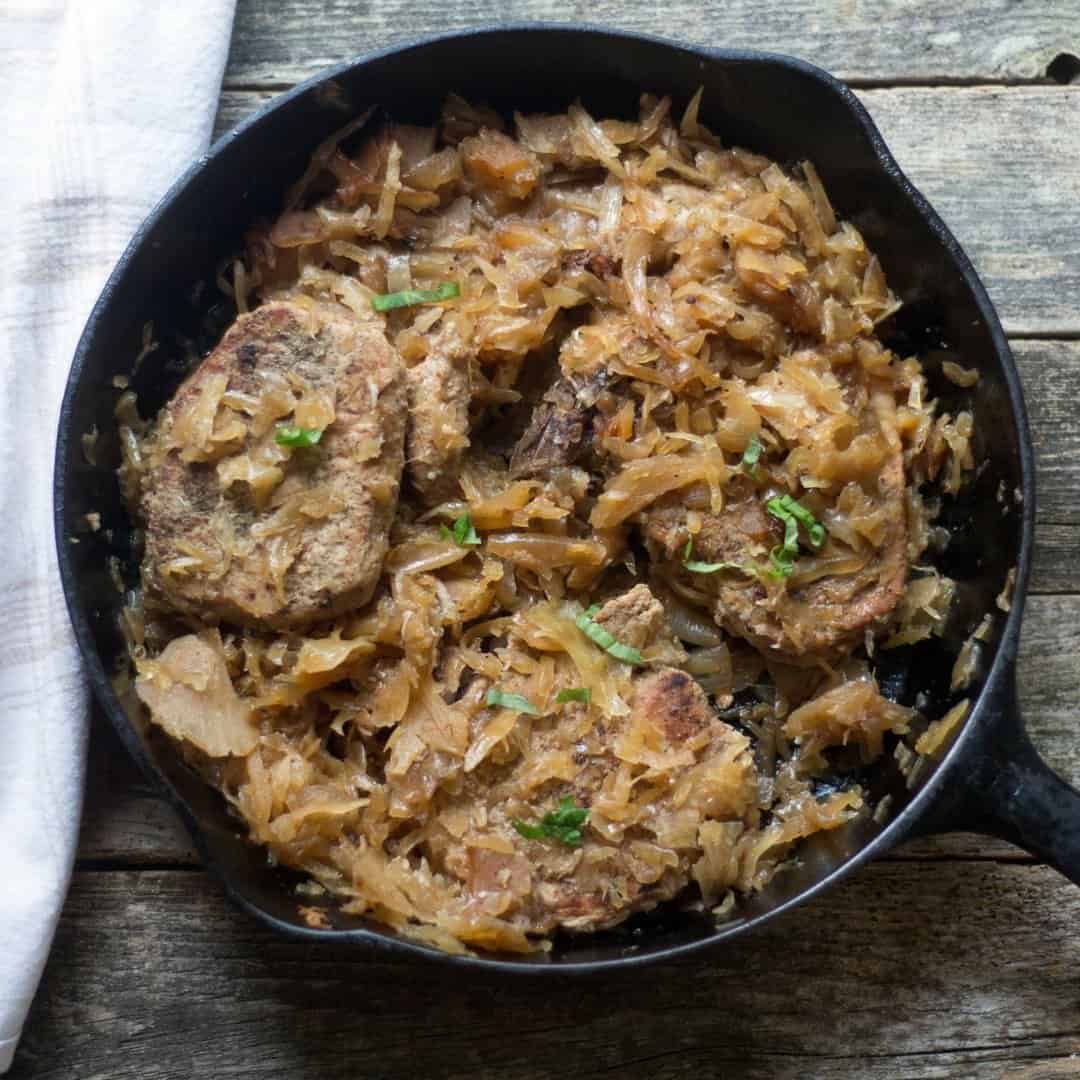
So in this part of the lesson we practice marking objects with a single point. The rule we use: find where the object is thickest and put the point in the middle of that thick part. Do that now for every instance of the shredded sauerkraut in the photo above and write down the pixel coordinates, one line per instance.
(648, 348)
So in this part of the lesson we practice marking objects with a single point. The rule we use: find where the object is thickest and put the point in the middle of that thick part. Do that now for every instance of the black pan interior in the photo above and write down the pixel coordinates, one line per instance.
(782, 109)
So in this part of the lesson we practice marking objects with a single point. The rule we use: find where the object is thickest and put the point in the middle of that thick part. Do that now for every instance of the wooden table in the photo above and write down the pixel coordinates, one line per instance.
(957, 957)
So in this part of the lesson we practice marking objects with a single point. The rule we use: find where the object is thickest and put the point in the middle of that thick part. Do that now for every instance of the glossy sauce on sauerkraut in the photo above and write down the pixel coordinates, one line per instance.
(515, 561)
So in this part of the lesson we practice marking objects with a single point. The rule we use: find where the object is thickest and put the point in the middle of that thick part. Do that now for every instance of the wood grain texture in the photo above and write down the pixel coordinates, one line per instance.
(898, 972)
(998, 163)
(125, 820)
(1057, 557)
(283, 41)
(1050, 375)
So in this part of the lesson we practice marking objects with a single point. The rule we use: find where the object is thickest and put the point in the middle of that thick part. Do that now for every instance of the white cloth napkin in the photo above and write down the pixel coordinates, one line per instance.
(102, 104)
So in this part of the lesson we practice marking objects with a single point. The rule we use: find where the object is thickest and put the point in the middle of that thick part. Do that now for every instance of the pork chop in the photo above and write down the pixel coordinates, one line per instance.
(823, 617)
(703, 769)
(560, 430)
(243, 528)
(648, 776)
(439, 390)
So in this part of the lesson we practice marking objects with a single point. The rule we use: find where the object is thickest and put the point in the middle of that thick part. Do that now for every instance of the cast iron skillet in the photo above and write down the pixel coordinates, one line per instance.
(988, 779)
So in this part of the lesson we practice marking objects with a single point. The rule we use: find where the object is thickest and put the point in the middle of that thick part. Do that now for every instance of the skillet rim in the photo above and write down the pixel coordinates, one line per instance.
(987, 704)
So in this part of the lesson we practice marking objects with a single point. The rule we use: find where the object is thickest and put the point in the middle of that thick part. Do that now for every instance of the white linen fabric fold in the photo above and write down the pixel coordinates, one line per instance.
(103, 103)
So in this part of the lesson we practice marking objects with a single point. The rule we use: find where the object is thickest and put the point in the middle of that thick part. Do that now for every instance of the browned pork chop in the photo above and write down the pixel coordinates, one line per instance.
(823, 617)
(241, 528)
(560, 431)
(637, 619)
(648, 857)
(649, 778)
(440, 389)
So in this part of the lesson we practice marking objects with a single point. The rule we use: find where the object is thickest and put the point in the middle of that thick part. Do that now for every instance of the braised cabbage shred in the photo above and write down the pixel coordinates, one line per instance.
(514, 562)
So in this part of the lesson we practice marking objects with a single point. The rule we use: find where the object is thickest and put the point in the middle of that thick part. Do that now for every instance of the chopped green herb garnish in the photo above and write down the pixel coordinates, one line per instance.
(792, 513)
(409, 297)
(563, 824)
(292, 436)
(576, 693)
(462, 533)
(498, 699)
(595, 632)
(783, 562)
(751, 455)
(697, 567)
(788, 510)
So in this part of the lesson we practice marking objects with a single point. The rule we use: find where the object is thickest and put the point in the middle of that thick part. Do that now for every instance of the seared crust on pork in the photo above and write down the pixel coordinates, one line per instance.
(316, 547)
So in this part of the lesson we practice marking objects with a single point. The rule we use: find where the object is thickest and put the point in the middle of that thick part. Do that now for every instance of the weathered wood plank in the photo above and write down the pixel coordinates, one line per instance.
(997, 164)
(1050, 374)
(124, 819)
(125, 823)
(236, 105)
(999, 177)
(1057, 556)
(923, 970)
(1049, 680)
(283, 42)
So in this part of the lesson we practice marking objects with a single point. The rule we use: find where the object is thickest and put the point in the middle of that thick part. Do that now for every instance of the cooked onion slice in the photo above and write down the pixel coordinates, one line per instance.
(189, 694)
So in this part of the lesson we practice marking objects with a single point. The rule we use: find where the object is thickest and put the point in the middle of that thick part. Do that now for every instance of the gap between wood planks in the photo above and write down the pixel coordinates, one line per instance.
(916, 42)
(280, 86)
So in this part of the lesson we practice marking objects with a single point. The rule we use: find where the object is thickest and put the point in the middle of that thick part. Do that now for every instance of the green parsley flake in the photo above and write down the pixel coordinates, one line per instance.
(563, 824)
(783, 562)
(697, 567)
(792, 513)
(297, 437)
(448, 290)
(462, 533)
(596, 633)
(790, 510)
(498, 699)
(576, 693)
(752, 455)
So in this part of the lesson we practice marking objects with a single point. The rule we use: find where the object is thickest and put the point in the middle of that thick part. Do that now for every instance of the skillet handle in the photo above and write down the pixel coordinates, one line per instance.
(1002, 787)
(1031, 806)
